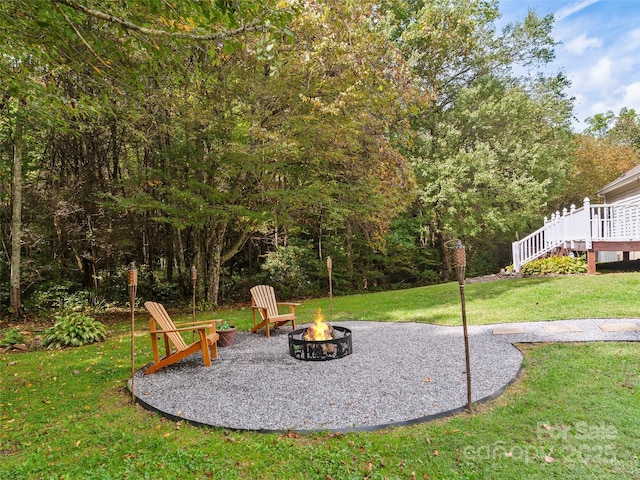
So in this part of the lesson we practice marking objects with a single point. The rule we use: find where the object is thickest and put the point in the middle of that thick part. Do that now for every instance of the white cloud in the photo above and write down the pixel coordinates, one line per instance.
(579, 99)
(600, 107)
(572, 8)
(627, 96)
(634, 35)
(628, 45)
(631, 97)
(599, 76)
(579, 44)
(599, 51)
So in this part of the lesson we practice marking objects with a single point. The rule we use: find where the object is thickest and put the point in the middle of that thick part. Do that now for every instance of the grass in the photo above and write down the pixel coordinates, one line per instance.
(574, 413)
(516, 300)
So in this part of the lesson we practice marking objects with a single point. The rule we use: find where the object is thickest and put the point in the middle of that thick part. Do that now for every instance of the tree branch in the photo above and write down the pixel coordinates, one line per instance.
(252, 26)
(81, 37)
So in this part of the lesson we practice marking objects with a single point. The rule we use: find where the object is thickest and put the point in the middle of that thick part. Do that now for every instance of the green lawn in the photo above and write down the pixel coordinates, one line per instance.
(515, 300)
(574, 413)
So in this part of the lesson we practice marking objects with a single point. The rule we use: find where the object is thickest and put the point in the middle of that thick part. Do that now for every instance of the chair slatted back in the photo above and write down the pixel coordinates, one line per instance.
(161, 316)
(265, 297)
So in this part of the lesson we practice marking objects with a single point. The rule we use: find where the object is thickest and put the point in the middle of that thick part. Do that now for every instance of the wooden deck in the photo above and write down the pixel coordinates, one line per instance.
(592, 228)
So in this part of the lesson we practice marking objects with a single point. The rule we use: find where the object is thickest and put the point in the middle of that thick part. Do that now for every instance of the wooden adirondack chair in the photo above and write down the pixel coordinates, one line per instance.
(171, 333)
(263, 300)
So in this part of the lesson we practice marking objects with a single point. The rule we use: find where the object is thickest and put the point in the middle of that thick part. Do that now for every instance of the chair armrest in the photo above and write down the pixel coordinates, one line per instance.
(185, 329)
(290, 304)
(195, 324)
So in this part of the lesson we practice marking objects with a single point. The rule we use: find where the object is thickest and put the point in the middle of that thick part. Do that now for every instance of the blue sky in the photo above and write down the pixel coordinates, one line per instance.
(599, 50)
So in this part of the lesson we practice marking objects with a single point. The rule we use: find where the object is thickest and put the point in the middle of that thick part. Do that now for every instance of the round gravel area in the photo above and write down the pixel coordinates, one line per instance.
(398, 374)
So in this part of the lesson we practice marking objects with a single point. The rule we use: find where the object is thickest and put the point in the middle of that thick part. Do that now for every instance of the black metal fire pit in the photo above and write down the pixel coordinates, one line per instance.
(317, 350)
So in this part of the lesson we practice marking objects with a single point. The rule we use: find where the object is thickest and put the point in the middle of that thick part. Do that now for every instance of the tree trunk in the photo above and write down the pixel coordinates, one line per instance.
(447, 270)
(177, 256)
(214, 245)
(217, 256)
(349, 247)
(16, 223)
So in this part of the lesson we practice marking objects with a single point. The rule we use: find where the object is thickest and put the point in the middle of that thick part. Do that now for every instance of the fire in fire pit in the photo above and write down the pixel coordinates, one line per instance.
(320, 341)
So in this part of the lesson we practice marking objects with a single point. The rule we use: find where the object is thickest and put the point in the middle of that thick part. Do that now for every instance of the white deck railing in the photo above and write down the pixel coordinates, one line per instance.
(614, 222)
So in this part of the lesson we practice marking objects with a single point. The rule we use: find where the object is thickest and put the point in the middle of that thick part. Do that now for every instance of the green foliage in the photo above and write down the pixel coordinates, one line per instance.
(165, 147)
(623, 128)
(11, 336)
(407, 261)
(60, 295)
(73, 330)
(224, 326)
(152, 284)
(204, 306)
(492, 148)
(565, 265)
(284, 268)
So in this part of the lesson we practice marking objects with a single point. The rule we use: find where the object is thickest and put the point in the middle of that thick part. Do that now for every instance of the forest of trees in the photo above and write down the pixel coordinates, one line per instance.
(254, 138)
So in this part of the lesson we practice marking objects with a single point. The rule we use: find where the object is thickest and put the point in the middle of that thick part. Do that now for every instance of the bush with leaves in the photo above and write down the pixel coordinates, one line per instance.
(63, 295)
(283, 266)
(566, 265)
(73, 330)
(10, 337)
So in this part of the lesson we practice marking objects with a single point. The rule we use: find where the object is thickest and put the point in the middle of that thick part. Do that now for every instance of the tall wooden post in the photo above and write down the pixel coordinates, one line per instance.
(329, 269)
(591, 262)
(194, 280)
(132, 285)
(460, 262)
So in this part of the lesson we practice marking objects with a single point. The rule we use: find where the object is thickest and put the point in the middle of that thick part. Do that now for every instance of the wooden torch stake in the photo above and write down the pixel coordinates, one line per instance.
(132, 286)
(194, 279)
(329, 268)
(460, 261)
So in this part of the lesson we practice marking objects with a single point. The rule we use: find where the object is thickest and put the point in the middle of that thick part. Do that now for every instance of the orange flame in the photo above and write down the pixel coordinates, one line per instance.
(319, 330)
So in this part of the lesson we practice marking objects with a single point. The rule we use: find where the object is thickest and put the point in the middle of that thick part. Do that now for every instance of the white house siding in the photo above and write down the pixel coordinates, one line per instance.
(630, 194)
(620, 192)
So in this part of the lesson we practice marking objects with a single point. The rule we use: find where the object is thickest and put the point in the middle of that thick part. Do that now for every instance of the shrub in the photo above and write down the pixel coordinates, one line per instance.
(10, 337)
(555, 266)
(73, 330)
(63, 295)
(224, 326)
(284, 269)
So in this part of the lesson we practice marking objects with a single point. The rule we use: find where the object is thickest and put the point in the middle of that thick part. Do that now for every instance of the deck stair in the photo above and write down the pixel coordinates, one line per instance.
(577, 229)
